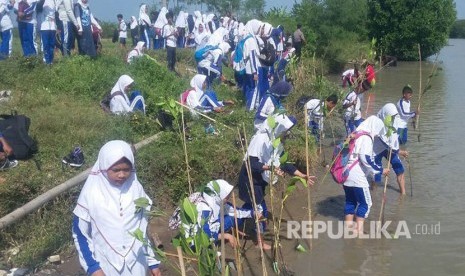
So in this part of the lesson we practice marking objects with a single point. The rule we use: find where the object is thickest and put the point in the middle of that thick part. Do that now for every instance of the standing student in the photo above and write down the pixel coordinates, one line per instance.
(144, 25)
(85, 20)
(212, 64)
(317, 110)
(170, 35)
(181, 24)
(298, 40)
(6, 28)
(66, 24)
(356, 187)
(352, 113)
(120, 103)
(48, 30)
(105, 217)
(134, 29)
(403, 106)
(26, 26)
(263, 157)
(271, 102)
(123, 31)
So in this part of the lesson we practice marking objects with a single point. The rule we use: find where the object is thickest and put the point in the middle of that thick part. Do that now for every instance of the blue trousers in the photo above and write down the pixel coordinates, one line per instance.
(137, 101)
(48, 44)
(403, 135)
(5, 45)
(358, 201)
(250, 92)
(67, 37)
(352, 124)
(396, 163)
(263, 84)
(26, 35)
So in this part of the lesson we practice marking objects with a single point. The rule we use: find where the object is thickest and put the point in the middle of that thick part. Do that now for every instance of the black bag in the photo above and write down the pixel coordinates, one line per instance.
(302, 101)
(15, 130)
(105, 102)
(115, 37)
(40, 5)
(267, 54)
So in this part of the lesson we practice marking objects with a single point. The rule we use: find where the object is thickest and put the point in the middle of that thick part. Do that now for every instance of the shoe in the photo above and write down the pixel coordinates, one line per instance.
(75, 158)
(8, 164)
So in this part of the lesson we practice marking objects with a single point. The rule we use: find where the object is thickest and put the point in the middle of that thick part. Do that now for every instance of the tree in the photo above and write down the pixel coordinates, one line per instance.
(223, 7)
(458, 29)
(399, 26)
(253, 8)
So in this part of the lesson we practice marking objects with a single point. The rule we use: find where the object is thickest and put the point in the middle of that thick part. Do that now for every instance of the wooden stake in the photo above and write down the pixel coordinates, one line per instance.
(237, 253)
(185, 152)
(307, 162)
(181, 261)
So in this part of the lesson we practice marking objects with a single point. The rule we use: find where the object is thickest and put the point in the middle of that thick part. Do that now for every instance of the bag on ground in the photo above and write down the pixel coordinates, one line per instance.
(15, 130)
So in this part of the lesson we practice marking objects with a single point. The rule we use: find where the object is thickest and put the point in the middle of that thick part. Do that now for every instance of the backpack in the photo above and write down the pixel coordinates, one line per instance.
(15, 130)
(184, 95)
(302, 101)
(105, 102)
(201, 53)
(238, 58)
(175, 220)
(339, 169)
(267, 54)
(115, 36)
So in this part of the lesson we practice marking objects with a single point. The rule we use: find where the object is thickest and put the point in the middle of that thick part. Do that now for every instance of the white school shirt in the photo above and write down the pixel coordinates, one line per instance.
(251, 53)
(358, 174)
(123, 29)
(167, 31)
(405, 115)
(5, 19)
(47, 16)
(66, 11)
(315, 112)
(352, 111)
(212, 57)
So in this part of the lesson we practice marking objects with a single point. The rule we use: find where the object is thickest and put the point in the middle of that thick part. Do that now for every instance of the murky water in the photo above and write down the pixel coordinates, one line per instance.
(436, 170)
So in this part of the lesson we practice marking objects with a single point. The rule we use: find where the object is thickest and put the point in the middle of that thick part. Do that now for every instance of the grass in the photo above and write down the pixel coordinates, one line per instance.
(62, 101)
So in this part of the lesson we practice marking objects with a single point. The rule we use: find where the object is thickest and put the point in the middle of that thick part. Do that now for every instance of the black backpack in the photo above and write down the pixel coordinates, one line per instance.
(105, 102)
(15, 130)
(267, 54)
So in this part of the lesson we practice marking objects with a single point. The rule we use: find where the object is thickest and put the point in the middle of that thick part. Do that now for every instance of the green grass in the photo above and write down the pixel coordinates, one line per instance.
(62, 101)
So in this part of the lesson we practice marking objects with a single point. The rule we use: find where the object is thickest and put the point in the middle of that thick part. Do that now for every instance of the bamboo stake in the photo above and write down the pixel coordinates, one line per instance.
(184, 143)
(203, 115)
(307, 163)
(383, 200)
(223, 253)
(417, 119)
(237, 253)
(181, 261)
(249, 174)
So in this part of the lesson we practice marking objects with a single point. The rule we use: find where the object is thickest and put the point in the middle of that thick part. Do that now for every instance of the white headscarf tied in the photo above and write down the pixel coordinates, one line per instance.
(122, 83)
(140, 47)
(197, 82)
(224, 46)
(389, 115)
(133, 22)
(110, 209)
(254, 26)
(181, 20)
(372, 125)
(143, 16)
(214, 199)
(161, 19)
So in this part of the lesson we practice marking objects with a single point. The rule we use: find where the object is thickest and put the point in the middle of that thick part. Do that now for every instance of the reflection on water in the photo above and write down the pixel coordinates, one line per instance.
(436, 166)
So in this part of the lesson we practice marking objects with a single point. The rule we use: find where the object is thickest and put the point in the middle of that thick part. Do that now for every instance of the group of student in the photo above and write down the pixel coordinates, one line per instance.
(70, 19)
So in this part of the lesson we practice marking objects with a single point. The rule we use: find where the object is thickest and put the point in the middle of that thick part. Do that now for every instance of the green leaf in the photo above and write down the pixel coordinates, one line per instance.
(189, 210)
(216, 187)
(142, 202)
(176, 242)
(276, 142)
(283, 158)
(271, 122)
(290, 189)
(296, 179)
(300, 248)
(139, 235)
(276, 267)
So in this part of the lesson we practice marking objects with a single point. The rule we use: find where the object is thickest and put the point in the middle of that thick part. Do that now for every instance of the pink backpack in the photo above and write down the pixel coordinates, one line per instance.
(183, 98)
(339, 170)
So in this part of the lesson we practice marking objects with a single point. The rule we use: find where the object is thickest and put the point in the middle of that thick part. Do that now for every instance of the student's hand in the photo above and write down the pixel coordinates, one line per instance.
(386, 172)
(255, 77)
(6, 147)
(403, 153)
(155, 272)
(218, 109)
(310, 180)
(98, 273)
(278, 172)
(230, 239)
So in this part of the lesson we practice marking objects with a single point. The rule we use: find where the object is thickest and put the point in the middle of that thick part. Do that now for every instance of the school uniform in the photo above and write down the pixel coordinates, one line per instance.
(211, 65)
(144, 25)
(251, 53)
(315, 112)
(26, 26)
(136, 52)
(105, 217)
(48, 30)
(66, 24)
(6, 29)
(352, 114)
(199, 100)
(403, 106)
(85, 21)
(122, 104)
(170, 36)
(123, 33)
(134, 28)
(271, 103)
(159, 25)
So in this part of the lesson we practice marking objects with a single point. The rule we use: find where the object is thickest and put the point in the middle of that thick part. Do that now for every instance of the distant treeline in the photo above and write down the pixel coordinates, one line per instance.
(458, 29)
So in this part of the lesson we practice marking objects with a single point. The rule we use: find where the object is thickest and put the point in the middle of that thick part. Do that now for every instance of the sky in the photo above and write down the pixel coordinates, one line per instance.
(108, 9)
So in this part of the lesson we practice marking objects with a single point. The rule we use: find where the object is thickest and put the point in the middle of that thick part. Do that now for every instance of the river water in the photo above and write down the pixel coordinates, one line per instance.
(434, 215)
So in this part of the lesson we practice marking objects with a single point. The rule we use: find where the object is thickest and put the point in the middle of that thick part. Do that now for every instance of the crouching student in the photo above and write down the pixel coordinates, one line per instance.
(211, 65)
(356, 187)
(120, 102)
(263, 157)
(105, 217)
(137, 52)
(317, 110)
(352, 113)
(209, 213)
(403, 106)
(389, 143)
(271, 102)
(199, 100)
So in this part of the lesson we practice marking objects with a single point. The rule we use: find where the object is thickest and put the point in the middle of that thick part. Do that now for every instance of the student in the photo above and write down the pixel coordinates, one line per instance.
(48, 30)
(123, 33)
(317, 110)
(159, 25)
(105, 217)
(66, 24)
(85, 20)
(181, 24)
(6, 28)
(369, 76)
(137, 52)
(349, 77)
(271, 102)
(26, 26)
(280, 72)
(403, 106)
(356, 187)
(209, 213)
(199, 100)
(144, 25)
(120, 103)
(211, 65)
(298, 40)
(134, 29)
(389, 142)
(251, 51)
(170, 35)
(352, 106)
(5, 151)
(262, 155)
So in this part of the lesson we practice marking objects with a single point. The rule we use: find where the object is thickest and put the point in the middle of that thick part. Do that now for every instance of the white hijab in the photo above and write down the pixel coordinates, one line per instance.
(218, 36)
(133, 22)
(161, 19)
(224, 46)
(390, 110)
(181, 20)
(373, 125)
(214, 200)
(143, 16)
(254, 26)
(197, 82)
(110, 209)
(138, 51)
